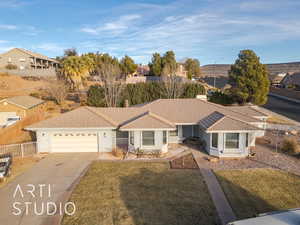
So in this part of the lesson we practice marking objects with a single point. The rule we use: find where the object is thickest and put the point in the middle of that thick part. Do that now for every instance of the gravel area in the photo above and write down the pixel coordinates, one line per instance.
(265, 157)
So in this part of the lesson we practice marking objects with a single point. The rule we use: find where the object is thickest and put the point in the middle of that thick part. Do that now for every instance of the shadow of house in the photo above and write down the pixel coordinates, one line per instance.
(168, 197)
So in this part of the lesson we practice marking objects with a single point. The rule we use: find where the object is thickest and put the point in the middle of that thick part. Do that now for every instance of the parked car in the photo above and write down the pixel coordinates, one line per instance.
(5, 165)
(11, 120)
(287, 217)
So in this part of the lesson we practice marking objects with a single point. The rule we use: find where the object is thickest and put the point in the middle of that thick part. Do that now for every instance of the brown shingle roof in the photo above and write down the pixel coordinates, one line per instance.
(148, 120)
(163, 113)
(219, 122)
(78, 118)
(37, 55)
(248, 110)
(191, 111)
(25, 102)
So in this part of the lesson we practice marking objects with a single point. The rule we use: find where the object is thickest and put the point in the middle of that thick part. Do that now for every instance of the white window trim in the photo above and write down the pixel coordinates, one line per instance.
(167, 137)
(131, 134)
(238, 140)
(211, 141)
(147, 146)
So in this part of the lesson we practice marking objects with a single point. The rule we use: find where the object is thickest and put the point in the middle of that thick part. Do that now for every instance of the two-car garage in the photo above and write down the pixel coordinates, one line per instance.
(74, 142)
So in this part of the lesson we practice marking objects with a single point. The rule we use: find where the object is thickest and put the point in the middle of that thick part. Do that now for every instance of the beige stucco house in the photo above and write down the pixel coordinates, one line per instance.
(20, 106)
(25, 59)
(226, 131)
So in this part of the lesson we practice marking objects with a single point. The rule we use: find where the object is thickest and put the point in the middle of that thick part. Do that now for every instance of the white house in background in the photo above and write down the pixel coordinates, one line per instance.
(227, 131)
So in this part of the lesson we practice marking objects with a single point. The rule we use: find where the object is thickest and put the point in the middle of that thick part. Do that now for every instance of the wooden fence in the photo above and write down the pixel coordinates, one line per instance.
(19, 150)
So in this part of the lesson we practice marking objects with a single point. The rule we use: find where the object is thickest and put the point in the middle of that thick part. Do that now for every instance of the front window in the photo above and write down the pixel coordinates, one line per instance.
(131, 135)
(164, 137)
(232, 140)
(214, 140)
(148, 138)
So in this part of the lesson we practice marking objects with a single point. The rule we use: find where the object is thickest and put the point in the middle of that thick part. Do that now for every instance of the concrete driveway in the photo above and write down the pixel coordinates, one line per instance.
(59, 171)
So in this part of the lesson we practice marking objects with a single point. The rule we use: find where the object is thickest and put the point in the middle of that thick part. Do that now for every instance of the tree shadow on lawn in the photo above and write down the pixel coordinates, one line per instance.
(247, 204)
(168, 197)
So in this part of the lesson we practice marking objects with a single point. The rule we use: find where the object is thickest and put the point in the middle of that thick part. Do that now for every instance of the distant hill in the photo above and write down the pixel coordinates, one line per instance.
(220, 71)
(275, 68)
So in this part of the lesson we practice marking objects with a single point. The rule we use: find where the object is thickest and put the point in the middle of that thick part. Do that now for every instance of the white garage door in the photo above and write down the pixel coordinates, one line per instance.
(74, 142)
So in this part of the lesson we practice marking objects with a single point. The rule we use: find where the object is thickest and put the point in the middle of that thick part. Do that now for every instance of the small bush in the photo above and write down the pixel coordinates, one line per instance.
(290, 145)
(31, 78)
(11, 67)
(35, 94)
(118, 152)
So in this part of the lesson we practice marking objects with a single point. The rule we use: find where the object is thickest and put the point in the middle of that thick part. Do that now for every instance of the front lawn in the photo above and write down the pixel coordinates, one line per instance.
(123, 193)
(254, 191)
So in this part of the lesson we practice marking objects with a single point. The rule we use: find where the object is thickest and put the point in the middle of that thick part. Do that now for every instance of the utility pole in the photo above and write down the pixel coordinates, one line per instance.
(214, 74)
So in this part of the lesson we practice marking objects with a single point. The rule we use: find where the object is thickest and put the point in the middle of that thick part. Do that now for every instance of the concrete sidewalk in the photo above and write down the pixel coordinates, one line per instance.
(224, 210)
(57, 170)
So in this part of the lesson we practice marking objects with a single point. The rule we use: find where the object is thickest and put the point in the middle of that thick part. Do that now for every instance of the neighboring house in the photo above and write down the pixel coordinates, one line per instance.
(277, 79)
(18, 107)
(181, 72)
(143, 70)
(152, 126)
(25, 59)
(292, 79)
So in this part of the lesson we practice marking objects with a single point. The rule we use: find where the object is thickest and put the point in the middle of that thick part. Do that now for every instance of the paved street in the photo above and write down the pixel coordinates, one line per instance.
(57, 170)
(286, 108)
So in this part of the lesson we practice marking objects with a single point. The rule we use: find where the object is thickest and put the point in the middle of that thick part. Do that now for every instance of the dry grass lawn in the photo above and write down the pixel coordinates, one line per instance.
(256, 191)
(123, 193)
(19, 166)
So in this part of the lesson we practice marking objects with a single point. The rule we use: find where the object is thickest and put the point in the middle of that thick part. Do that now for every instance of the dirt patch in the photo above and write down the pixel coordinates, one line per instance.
(12, 85)
(19, 166)
(184, 162)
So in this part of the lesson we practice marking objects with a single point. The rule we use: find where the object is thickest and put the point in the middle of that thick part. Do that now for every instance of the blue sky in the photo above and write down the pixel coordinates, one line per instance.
(214, 31)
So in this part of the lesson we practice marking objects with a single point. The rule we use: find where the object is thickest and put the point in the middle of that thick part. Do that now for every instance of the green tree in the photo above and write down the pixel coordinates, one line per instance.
(75, 70)
(95, 96)
(70, 52)
(128, 66)
(191, 90)
(169, 64)
(192, 66)
(155, 65)
(249, 79)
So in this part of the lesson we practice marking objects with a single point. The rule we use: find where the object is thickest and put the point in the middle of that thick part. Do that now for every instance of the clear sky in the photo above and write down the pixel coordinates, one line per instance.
(214, 31)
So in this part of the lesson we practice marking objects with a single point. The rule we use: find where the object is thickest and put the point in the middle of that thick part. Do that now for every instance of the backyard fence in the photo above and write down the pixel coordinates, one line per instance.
(19, 150)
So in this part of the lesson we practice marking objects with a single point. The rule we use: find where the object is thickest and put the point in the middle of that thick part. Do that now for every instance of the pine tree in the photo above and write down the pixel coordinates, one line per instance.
(249, 79)
(155, 65)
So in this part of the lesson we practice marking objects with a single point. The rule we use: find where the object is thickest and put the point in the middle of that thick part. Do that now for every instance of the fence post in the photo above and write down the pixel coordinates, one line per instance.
(22, 151)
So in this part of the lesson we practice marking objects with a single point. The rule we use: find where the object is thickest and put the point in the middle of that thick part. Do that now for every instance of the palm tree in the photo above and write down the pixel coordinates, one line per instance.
(75, 69)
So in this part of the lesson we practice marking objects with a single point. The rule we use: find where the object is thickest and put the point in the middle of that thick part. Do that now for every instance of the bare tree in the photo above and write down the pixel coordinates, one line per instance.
(58, 90)
(112, 82)
(173, 85)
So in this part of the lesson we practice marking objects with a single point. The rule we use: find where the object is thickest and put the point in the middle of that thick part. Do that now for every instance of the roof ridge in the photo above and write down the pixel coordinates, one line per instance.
(101, 114)
(248, 124)
(224, 107)
(160, 118)
(149, 103)
(255, 109)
